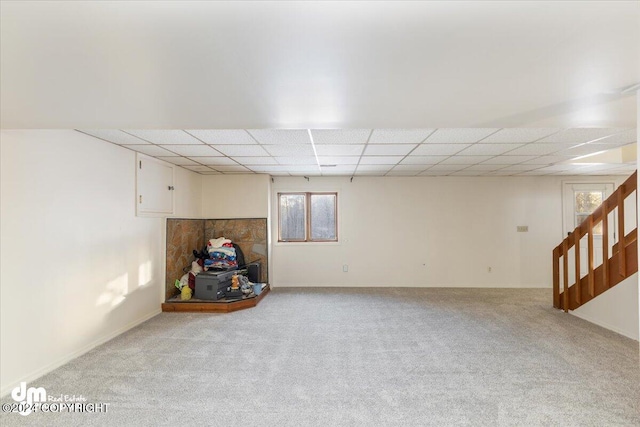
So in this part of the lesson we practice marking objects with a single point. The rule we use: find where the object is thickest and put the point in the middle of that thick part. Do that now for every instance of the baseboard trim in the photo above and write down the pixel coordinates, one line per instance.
(69, 357)
(605, 325)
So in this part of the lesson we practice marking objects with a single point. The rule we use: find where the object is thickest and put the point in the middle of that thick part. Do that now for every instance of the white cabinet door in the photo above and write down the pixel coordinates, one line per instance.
(154, 186)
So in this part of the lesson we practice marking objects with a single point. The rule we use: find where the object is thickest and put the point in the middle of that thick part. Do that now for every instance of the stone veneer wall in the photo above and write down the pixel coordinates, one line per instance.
(250, 234)
(183, 236)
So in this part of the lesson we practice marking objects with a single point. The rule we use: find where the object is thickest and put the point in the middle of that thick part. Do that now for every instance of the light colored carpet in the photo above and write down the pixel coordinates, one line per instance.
(392, 356)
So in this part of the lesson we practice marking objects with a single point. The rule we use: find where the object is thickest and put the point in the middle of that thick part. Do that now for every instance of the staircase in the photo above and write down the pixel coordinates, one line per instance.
(618, 263)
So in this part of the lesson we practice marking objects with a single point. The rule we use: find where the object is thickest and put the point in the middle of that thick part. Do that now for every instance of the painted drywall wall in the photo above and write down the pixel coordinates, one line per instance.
(235, 196)
(77, 266)
(616, 309)
(429, 231)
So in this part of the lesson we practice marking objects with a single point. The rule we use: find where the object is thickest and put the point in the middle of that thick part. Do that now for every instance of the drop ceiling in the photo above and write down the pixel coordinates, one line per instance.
(382, 88)
(383, 152)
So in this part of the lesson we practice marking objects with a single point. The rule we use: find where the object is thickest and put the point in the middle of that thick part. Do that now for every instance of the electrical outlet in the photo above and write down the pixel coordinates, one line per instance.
(522, 228)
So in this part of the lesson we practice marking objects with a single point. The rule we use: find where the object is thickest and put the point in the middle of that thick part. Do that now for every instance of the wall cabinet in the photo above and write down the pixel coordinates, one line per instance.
(154, 186)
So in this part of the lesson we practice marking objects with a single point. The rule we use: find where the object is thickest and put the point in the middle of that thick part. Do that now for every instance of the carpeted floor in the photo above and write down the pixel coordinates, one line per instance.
(359, 357)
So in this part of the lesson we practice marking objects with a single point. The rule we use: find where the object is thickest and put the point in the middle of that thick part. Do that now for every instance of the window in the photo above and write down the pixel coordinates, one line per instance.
(307, 217)
(585, 203)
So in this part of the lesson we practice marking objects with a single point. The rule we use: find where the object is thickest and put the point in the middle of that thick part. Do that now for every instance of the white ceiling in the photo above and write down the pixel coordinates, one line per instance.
(387, 88)
(382, 152)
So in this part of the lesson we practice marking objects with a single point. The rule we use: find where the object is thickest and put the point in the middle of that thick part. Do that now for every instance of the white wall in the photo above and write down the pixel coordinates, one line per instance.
(429, 231)
(235, 196)
(77, 266)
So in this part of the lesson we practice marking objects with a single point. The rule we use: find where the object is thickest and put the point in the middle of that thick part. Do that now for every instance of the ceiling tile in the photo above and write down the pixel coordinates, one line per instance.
(380, 160)
(482, 149)
(520, 168)
(339, 150)
(223, 136)
(281, 136)
(449, 168)
(417, 168)
(580, 135)
(256, 160)
(302, 160)
(459, 135)
(519, 135)
(209, 173)
(388, 150)
(150, 150)
(485, 168)
(290, 150)
(114, 135)
(402, 173)
(547, 160)
(339, 170)
(192, 150)
(269, 168)
(165, 136)
(213, 160)
(438, 149)
(583, 150)
(422, 160)
(399, 136)
(303, 169)
(176, 160)
(241, 150)
(340, 136)
(508, 160)
(236, 168)
(199, 168)
(433, 172)
(627, 137)
(539, 149)
(469, 172)
(465, 160)
(338, 160)
(373, 168)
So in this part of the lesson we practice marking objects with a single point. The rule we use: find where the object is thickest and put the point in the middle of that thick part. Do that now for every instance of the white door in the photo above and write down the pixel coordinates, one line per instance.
(154, 186)
(579, 201)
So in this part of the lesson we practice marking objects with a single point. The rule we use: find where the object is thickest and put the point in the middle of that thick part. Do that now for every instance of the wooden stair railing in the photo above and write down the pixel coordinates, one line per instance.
(616, 266)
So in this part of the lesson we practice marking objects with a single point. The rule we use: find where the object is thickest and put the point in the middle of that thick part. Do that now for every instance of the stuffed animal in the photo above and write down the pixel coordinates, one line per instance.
(235, 282)
(185, 293)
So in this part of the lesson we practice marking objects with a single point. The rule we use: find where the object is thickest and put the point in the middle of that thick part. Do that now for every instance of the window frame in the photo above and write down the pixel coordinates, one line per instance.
(307, 216)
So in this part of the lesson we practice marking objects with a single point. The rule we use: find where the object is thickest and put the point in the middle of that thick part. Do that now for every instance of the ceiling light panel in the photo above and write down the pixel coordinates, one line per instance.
(389, 150)
(192, 150)
(151, 150)
(115, 136)
(438, 149)
(519, 135)
(465, 160)
(302, 160)
(459, 135)
(339, 150)
(165, 136)
(539, 149)
(176, 160)
(399, 136)
(213, 160)
(482, 149)
(508, 160)
(580, 135)
(281, 136)
(241, 150)
(256, 160)
(223, 136)
(380, 160)
(290, 150)
(422, 160)
(340, 136)
(339, 160)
